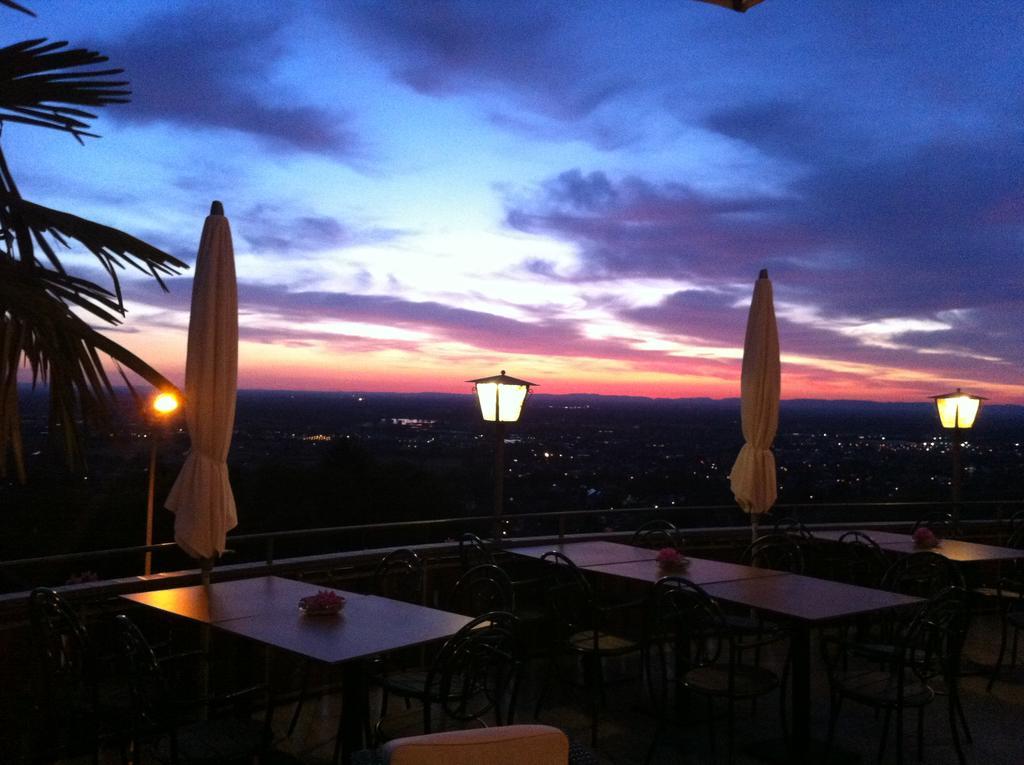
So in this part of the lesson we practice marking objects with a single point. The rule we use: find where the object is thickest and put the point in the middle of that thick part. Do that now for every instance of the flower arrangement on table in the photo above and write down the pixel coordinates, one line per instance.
(669, 558)
(323, 603)
(925, 538)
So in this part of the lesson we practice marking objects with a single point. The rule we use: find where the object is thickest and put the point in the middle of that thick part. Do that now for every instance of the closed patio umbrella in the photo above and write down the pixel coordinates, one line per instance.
(201, 497)
(753, 475)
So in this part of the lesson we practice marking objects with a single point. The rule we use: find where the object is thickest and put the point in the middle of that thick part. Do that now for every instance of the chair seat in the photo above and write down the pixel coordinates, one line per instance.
(409, 682)
(216, 742)
(878, 687)
(607, 643)
(748, 682)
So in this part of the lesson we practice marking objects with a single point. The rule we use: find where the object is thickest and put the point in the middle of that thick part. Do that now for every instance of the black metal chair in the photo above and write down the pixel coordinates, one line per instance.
(923, 574)
(779, 552)
(400, 576)
(791, 526)
(179, 727)
(67, 711)
(482, 589)
(474, 674)
(927, 649)
(581, 627)
(701, 654)
(473, 551)
(1009, 593)
(657, 534)
(857, 559)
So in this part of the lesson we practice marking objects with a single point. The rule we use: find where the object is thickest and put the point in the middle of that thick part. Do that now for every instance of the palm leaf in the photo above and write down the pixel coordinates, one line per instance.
(43, 84)
(40, 332)
(16, 6)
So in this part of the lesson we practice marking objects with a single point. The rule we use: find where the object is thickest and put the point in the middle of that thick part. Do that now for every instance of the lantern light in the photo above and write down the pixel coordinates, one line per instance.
(958, 409)
(501, 397)
(166, 403)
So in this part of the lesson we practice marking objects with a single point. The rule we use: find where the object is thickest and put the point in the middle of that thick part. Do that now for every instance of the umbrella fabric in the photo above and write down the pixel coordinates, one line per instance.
(201, 497)
(753, 476)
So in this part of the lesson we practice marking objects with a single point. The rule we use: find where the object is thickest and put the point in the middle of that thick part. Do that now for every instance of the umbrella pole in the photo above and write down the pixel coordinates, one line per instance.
(205, 566)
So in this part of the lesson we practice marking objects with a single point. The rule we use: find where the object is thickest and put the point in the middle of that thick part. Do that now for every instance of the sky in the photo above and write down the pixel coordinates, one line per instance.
(582, 194)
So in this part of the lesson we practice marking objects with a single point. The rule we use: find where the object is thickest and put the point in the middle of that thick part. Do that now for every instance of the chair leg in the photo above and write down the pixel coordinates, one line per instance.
(730, 728)
(711, 729)
(833, 718)
(899, 736)
(953, 704)
(920, 734)
(1002, 653)
(885, 734)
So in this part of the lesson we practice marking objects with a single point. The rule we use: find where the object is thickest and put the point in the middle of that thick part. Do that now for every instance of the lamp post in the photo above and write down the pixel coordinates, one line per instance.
(957, 410)
(161, 408)
(501, 400)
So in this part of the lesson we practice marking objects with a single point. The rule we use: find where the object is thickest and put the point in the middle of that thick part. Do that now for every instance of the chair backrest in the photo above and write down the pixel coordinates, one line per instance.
(1016, 521)
(473, 552)
(476, 670)
(923, 574)
(482, 589)
(399, 576)
(940, 524)
(657, 534)
(792, 526)
(683, 609)
(569, 596)
(933, 640)
(857, 559)
(62, 648)
(146, 680)
(779, 552)
(506, 745)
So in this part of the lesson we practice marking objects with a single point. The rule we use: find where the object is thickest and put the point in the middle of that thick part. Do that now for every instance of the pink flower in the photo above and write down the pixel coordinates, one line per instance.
(925, 537)
(325, 601)
(669, 557)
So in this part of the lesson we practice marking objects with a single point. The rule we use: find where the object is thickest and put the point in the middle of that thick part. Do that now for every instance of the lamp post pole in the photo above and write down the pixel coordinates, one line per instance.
(957, 412)
(499, 477)
(160, 410)
(501, 400)
(957, 475)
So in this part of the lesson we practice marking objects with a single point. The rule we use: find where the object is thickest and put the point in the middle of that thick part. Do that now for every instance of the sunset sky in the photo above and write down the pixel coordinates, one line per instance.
(580, 193)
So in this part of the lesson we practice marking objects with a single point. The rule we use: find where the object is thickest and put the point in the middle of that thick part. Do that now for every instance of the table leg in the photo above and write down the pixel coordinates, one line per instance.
(354, 712)
(800, 648)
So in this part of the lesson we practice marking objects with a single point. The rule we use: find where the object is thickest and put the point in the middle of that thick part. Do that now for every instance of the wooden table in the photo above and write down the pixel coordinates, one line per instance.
(699, 571)
(955, 549)
(805, 602)
(586, 554)
(265, 609)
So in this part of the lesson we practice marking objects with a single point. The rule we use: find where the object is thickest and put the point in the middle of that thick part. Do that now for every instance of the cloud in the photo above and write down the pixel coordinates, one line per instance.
(525, 52)
(202, 68)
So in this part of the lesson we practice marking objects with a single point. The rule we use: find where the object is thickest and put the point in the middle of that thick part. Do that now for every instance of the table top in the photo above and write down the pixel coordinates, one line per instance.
(586, 554)
(221, 601)
(266, 609)
(954, 549)
(806, 599)
(880, 537)
(699, 571)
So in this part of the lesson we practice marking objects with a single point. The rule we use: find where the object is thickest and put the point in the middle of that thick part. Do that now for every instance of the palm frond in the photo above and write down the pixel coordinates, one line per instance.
(59, 348)
(43, 84)
(17, 7)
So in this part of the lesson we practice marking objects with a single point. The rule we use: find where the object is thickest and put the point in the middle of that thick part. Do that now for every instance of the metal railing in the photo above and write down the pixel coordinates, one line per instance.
(706, 521)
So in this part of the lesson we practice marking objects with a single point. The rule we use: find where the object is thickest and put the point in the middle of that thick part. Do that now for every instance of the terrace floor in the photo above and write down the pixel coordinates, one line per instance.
(628, 726)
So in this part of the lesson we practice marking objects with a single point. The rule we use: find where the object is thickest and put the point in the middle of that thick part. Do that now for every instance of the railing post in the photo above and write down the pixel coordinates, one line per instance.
(561, 527)
(270, 551)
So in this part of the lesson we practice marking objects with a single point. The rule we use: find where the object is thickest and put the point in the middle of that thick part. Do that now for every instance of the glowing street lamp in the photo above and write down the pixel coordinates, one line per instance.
(957, 411)
(161, 408)
(501, 400)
